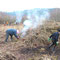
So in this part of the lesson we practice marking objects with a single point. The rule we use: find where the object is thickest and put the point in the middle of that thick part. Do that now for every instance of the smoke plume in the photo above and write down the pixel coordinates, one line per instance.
(35, 18)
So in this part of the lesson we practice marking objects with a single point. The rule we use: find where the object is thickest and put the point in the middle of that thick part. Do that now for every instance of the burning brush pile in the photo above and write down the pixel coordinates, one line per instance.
(36, 37)
(39, 36)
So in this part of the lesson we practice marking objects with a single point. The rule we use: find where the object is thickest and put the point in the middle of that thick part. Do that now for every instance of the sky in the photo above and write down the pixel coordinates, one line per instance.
(19, 5)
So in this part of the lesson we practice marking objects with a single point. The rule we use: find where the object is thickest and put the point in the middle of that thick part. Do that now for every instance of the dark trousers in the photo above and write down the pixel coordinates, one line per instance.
(7, 36)
(53, 44)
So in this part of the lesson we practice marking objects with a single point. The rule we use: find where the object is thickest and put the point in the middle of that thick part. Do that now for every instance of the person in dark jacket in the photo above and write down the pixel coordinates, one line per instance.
(54, 37)
(11, 32)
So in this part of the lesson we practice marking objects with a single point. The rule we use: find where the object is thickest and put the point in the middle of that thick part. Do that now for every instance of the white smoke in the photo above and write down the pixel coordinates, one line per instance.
(38, 16)
(27, 25)
(19, 15)
(35, 18)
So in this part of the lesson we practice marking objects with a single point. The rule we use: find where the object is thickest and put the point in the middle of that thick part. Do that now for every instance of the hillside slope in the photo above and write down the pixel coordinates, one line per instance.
(32, 46)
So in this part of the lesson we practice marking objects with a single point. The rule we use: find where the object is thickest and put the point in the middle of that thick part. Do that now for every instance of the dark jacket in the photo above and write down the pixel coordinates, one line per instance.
(55, 36)
(12, 32)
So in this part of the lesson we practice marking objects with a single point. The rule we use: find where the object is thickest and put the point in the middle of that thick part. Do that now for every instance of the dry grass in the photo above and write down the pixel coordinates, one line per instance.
(31, 47)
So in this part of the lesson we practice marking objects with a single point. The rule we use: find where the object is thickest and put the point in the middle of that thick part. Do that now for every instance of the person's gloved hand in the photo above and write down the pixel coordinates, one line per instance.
(57, 43)
(18, 37)
(49, 39)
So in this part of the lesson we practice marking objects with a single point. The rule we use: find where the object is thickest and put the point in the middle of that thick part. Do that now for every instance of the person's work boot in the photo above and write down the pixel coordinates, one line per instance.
(48, 48)
(53, 49)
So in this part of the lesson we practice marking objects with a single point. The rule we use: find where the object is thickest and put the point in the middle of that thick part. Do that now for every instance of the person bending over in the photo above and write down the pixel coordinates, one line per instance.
(54, 38)
(11, 32)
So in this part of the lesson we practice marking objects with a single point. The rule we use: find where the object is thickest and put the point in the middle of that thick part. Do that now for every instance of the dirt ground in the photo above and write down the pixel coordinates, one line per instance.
(28, 48)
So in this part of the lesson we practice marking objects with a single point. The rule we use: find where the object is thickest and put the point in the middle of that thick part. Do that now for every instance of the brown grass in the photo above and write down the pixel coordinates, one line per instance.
(31, 47)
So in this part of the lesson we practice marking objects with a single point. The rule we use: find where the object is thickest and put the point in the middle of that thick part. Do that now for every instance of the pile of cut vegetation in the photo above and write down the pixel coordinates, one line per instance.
(39, 36)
